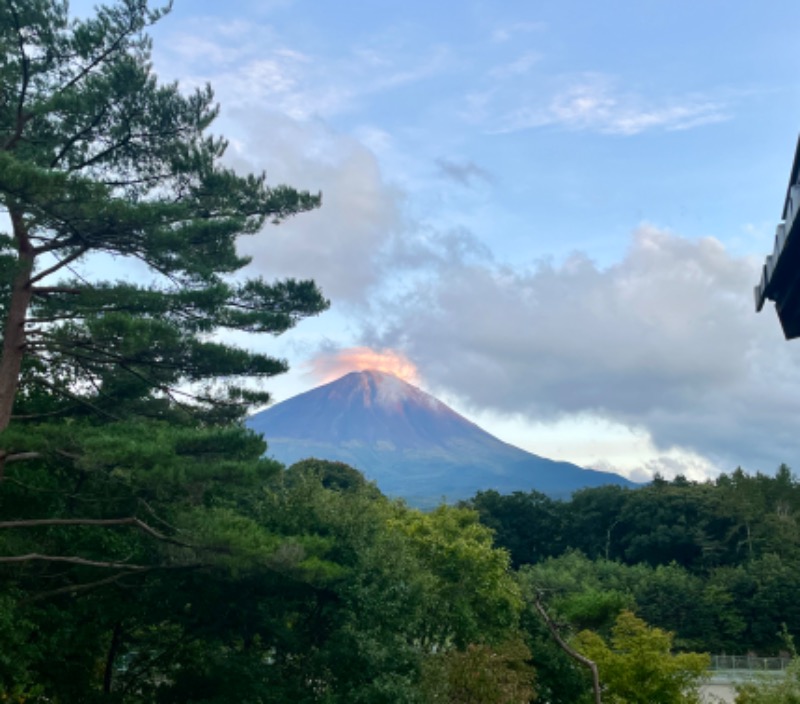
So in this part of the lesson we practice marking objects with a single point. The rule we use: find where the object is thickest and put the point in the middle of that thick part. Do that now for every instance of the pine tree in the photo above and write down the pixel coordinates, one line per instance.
(98, 159)
(123, 478)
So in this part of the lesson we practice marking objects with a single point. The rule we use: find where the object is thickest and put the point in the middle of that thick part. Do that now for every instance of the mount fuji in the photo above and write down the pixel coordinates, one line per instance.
(411, 444)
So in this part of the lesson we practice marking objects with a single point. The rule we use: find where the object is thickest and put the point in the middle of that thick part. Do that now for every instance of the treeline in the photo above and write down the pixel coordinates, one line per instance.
(717, 563)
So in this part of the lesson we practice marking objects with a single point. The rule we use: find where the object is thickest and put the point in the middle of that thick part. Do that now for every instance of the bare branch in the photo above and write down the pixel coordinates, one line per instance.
(129, 521)
(36, 416)
(158, 518)
(19, 456)
(574, 654)
(70, 559)
(73, 588)
(85, 586)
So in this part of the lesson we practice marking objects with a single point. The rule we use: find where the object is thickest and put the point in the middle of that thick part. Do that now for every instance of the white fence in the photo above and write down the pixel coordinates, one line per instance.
(750, 663)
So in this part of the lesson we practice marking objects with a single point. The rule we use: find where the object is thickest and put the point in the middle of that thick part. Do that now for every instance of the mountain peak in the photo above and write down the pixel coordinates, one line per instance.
(382, 389)
(409, 442)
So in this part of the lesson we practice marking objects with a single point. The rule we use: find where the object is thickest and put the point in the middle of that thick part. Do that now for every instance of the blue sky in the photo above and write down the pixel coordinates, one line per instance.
(551, 215)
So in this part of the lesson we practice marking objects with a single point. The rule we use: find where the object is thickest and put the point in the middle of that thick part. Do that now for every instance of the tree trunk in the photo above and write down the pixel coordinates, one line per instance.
(14, 331)
(113, 648)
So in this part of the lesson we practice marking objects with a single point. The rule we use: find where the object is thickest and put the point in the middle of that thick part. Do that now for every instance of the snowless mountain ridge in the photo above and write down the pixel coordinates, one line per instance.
(410, 443)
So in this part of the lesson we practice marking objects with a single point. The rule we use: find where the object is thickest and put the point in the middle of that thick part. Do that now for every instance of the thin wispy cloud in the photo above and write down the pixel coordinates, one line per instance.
(518, 67)
(595, 104)
(299, 84)
(505, 33)
(429, 66)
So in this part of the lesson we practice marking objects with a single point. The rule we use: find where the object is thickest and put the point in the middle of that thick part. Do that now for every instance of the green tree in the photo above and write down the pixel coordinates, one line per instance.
(114, 388)
(528, 525)
(333, 475)
(112, 548)
(97, 158)
(637, 667)
(411, 595)
(665, 523)
(333, 614)
(672, 598)
(125, 491)
(762, 513)
(593, 518)
(481, 674)
(587, 594)
(476, 598)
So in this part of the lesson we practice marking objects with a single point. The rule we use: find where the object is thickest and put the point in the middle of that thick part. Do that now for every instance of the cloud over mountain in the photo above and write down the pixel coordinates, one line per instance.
(666, 339)
(333, 364)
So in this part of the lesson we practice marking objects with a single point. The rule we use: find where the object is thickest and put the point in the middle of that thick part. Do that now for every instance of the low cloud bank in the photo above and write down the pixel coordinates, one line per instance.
(666, 339)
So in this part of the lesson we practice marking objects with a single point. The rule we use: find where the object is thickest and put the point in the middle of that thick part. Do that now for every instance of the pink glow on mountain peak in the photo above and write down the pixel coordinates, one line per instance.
(329, 366)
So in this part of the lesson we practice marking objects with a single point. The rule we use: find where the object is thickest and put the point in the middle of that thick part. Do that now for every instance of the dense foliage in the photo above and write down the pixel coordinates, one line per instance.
(638, 667)
(717, 563)
(148, 550)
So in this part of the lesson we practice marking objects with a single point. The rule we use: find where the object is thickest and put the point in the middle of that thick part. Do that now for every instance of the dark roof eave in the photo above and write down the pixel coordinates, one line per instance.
(793, 176)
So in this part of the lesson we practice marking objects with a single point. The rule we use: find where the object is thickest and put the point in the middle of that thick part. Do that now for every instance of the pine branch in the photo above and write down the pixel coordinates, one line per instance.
(25, 62)
(77, 137)
(59, 264)
(76, 399)
(49, 290)
(86, 70)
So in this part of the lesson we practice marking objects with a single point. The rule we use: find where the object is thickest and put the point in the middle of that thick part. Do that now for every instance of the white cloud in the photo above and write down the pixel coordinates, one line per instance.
(666, 340)
(341, 245)
(589, 440)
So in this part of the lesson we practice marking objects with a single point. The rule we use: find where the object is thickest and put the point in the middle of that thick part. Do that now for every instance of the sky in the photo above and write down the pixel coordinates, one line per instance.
(550, 215)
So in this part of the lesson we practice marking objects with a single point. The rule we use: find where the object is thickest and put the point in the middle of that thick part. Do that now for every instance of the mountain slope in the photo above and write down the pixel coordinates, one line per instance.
(411, 444)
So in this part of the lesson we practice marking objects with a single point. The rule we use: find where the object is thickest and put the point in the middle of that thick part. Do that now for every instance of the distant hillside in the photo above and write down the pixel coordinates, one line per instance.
(410, 443)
